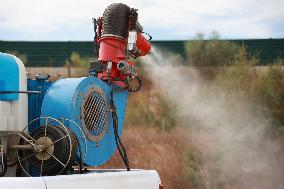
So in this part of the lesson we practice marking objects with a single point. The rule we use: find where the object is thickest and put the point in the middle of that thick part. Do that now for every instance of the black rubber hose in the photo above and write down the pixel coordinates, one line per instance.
(119, 144)
(115, 20)
(120, 147)
(3, 165)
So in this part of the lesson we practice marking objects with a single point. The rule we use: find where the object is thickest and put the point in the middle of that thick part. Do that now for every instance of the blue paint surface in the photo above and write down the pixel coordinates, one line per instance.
(64, 99)
(9, 77)
(35, 100)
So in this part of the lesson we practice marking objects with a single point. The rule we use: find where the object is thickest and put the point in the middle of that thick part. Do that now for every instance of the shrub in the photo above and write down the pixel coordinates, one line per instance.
(239, 73)
(270, 91)
(211, 52)
(263, 87)
(76, 60)
(150, 110)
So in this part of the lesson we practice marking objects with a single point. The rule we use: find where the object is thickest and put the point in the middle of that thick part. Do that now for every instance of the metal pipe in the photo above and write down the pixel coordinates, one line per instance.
(22, 147)
(125, 68)
(24, 92)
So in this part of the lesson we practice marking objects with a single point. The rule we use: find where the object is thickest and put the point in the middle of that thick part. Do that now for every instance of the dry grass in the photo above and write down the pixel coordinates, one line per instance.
(166, 152)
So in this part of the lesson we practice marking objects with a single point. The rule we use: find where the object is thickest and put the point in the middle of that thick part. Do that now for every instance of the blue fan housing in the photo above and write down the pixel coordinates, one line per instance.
(86, 102)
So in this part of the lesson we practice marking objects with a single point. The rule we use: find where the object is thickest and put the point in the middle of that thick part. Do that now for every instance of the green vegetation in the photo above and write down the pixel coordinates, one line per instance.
(76, 60)
(269, 91)
(211, 52)
(231, 68)
(239, 73)
(263, 86)
(150, 111)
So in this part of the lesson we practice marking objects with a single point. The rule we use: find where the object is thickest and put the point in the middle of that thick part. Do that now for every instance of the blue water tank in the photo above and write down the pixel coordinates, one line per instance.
(9, 77)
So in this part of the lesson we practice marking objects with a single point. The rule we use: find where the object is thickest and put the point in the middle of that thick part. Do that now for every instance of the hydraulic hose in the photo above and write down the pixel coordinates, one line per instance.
(3, 164)
(120, 147)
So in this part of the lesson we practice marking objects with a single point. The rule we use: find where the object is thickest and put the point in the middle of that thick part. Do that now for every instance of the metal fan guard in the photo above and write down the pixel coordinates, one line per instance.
(95, 114)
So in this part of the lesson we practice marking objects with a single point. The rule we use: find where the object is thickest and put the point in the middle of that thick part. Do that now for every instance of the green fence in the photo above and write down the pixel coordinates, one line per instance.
(56, 53)
(267, 49)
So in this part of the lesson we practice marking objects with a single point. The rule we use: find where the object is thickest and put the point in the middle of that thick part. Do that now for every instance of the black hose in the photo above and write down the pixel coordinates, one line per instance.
(3, 164)
(115, 20)
(120, 147)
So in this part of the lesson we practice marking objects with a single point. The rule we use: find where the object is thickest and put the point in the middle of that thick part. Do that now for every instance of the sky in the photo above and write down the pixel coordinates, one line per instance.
(71, 20)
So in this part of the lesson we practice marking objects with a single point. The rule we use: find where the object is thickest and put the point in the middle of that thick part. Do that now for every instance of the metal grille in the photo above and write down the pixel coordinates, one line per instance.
(95, 113)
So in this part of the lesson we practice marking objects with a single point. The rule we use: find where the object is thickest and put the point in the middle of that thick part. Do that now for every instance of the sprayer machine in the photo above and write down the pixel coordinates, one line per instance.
(65, 126)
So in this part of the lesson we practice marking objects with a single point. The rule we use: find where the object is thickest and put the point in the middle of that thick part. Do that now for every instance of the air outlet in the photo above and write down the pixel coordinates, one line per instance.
(95, 114)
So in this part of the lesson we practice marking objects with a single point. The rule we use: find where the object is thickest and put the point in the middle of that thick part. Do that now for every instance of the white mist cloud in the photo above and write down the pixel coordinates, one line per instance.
(49, 20)
(233, 133)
